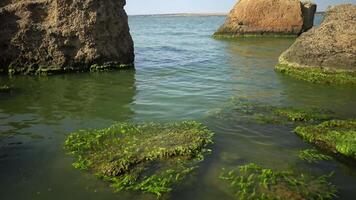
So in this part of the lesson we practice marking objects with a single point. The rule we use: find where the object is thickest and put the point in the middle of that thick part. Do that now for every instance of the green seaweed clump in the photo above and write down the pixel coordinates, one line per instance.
(303, 115)
(318, 75)
(338, 136)
(313, 155)
(147, 157)
(242, 109)
(250, 182)
(5, 89)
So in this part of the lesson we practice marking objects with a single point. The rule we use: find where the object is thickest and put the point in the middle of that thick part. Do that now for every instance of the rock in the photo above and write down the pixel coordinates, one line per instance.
(268, 17)
(327, 53)
(49, 36)
(335, 136)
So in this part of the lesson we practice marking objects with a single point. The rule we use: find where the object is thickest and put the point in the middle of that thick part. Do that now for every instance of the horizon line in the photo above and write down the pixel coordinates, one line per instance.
(184, 13)
(194, 14)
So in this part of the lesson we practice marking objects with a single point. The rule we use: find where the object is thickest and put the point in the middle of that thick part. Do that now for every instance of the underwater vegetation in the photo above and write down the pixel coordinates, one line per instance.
(251, 181)
(313, 155)
(243, 109)
(318, 75)
(337, 136)
(147, 157)
(5, 89)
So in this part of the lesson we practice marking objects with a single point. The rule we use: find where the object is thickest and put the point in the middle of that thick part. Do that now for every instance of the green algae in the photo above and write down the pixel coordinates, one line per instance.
(318, 75)
(313, 155)
(148, 157)
(250, 182)
(5, 88)
(56, 69)
(252, 111)
(337, 136)
(109, 66)
(238, 36)
(302, 114)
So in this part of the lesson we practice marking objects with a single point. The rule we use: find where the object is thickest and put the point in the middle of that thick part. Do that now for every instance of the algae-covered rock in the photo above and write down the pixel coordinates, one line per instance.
(53, 36)
(268, 18)
(252, 111)
(337, 136)
(326, 54)
(147, 157)
(250, 182)
(303, 114)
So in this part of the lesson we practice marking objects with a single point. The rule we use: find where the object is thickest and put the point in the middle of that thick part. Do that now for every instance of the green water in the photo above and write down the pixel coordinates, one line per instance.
(181, 73)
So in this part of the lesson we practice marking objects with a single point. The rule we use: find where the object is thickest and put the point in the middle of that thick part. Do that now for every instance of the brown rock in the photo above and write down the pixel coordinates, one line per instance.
(38, 36)
(332, 46)
(268, 17)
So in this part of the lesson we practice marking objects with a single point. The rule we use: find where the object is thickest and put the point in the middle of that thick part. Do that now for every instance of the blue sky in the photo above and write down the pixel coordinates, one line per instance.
(197, 6)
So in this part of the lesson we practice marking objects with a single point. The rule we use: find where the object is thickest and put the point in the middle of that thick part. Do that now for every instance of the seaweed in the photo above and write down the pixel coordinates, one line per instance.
(5, 88)
(251, 181)
(303, 114)
(313, 155)
(147, 157)
(337, 136)
(318, 74)
(242, 109)
(231, 36)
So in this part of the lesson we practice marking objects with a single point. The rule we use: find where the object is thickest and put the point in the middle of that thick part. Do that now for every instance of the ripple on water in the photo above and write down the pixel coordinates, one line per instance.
(181, 73)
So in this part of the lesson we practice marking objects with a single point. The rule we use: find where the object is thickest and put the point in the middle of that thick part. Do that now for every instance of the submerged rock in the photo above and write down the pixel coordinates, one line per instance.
(251, 181)
(49, 36)
(141, 157)
(245, 110)
(336, 136)
(268, 18)
(326, 54)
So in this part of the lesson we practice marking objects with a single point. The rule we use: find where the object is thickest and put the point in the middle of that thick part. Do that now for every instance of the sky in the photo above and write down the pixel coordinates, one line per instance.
(134, 7)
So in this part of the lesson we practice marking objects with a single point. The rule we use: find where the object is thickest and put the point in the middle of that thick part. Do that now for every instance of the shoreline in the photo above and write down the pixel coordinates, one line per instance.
(181, 14)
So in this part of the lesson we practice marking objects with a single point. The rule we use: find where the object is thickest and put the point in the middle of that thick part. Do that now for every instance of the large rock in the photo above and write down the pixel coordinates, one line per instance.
(268, 17)
(326, 53)
(48, 36)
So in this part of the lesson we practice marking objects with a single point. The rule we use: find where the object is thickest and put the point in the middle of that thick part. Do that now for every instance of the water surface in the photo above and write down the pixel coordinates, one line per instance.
(181, 74)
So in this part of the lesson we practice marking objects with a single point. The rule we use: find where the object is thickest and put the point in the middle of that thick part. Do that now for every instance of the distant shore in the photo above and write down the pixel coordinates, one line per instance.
(196, 14)
(183, 14)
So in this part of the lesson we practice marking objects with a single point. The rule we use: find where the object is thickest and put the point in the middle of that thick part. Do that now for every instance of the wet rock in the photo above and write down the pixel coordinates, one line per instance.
(268, 18)
(325, 54)
(49, 36)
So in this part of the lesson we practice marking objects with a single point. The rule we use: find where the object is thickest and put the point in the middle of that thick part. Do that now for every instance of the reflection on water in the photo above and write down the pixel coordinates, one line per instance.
(181, 73)
(34, 120)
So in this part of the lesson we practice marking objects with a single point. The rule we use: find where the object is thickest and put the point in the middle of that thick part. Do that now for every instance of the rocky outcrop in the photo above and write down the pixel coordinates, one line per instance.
(268, 17)
(49, 36)
(327, 53)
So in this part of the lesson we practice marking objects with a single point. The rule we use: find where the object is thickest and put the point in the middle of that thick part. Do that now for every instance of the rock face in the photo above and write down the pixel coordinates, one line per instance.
(330, 48)
(48, 36)
(268, 17)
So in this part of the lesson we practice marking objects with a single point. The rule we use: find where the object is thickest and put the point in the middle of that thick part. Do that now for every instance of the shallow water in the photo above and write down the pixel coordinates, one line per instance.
(181, 73)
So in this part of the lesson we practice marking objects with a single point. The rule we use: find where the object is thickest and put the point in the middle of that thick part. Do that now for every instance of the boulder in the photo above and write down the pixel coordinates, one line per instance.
(326, 53)
(268, 18)
(50, 36)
